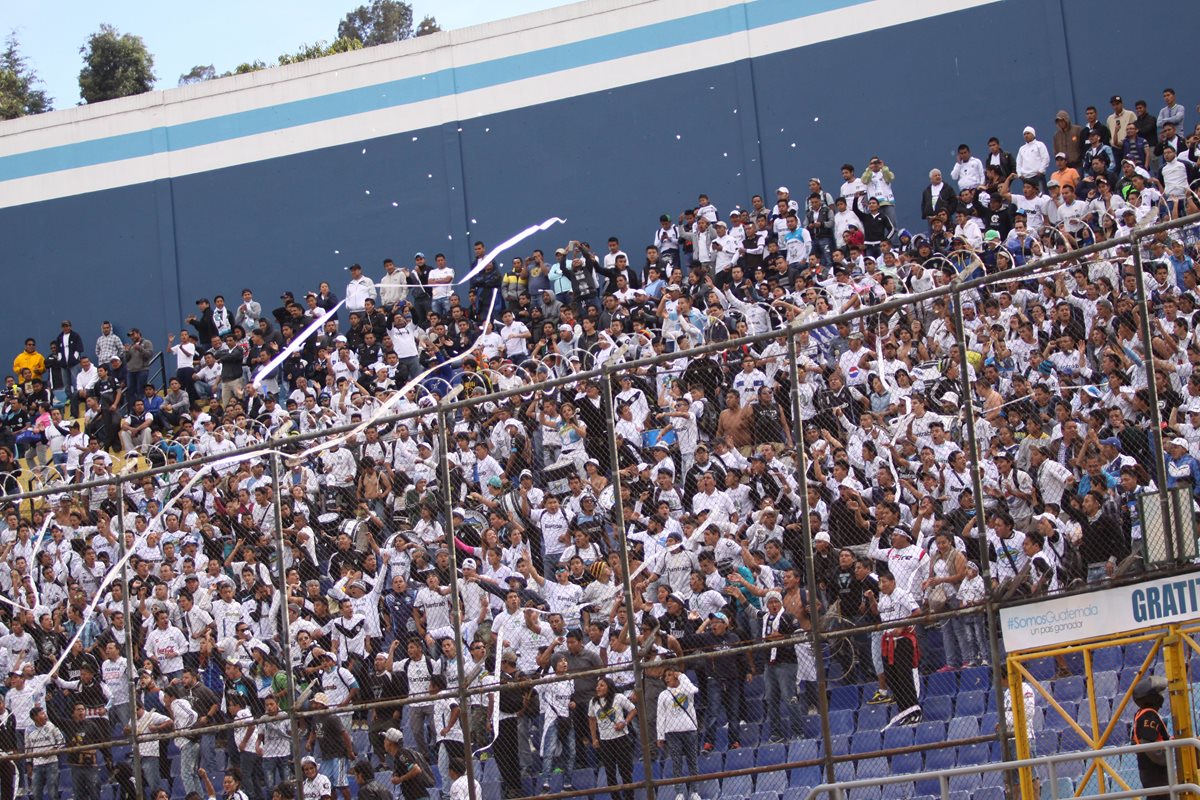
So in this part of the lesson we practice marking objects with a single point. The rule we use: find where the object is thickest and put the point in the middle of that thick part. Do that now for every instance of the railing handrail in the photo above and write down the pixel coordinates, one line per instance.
(838, 790)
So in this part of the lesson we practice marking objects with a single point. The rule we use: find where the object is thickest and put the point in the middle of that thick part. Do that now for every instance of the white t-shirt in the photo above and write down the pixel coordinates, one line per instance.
(441, 274)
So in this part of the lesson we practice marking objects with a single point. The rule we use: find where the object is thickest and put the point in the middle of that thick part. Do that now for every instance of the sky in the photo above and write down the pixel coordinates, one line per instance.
(223, 33)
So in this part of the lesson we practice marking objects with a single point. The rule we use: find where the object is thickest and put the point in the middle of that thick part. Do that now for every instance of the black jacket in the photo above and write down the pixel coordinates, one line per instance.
(946, 199)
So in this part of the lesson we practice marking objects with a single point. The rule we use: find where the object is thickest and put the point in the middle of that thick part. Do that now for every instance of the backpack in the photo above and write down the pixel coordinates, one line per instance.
(425, 779)
(1070, 560)
(512, 700)
(708, 418)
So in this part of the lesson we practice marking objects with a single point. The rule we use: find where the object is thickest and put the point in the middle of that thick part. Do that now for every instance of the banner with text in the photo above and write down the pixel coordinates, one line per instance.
(1122, 608)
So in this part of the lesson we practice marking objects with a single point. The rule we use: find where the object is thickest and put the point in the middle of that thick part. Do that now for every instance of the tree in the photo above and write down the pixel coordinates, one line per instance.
(17, 95)
(320, 50)
(198, 73)
(114, 65)
(382, 22)
(428, 25)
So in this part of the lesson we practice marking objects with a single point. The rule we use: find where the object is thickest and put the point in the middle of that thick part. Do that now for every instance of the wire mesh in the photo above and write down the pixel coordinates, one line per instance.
(665, 573)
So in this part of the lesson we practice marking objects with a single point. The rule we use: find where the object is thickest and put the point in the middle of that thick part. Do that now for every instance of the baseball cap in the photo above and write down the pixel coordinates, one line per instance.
(394, 735)
(495, 482)
(1060, 155)
(821, 537)
(717, 616)
(1111, 441)
(782, 190)
(469, 563)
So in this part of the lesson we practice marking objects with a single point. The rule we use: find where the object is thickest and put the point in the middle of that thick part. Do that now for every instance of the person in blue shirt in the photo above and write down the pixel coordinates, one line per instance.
(1182, 467)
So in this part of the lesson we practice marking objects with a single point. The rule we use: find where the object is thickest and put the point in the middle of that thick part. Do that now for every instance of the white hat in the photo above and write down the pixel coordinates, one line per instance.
(1179, 441)
(469, 563)
(782, 190)
(821, 537)
(950, 397)
(1029, 129)
(850, 483)
(394, 735)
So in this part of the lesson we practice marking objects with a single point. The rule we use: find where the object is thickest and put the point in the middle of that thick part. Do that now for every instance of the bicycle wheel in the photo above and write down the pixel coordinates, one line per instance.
(840, 654)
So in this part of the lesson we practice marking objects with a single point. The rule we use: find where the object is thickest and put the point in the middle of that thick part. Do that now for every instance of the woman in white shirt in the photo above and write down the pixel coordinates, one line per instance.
(610, 715)
(676, 725)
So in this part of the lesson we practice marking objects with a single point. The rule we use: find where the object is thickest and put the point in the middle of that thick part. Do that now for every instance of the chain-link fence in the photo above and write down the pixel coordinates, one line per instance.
(748, 554)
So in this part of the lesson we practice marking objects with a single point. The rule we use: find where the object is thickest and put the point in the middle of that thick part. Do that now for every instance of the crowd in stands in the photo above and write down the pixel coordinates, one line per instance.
(709, 497)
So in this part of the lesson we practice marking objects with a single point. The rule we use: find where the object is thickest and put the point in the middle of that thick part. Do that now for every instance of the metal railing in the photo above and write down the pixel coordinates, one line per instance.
(1174, 789)
(446, 413)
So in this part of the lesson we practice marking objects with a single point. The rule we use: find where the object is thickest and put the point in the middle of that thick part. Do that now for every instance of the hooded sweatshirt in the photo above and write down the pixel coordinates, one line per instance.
(1068, 139)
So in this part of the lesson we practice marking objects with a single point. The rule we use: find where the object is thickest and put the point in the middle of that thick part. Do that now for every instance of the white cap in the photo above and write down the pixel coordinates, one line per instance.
(1029, 129)
(821, 537)
(782, 190)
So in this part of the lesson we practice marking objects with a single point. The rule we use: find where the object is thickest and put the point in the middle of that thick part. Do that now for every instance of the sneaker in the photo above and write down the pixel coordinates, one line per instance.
(947, 668)
(694, 796)
(735, 746)
(679, 796)
(708, 747)
(880, 696)
(546, 787)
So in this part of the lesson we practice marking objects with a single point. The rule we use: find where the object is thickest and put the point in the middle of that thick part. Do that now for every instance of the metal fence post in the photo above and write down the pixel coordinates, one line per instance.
(456, 618)
(130, 652)
(1160, 456)
(985, 571)
(285, 628)
(639, 682)
(810, 571)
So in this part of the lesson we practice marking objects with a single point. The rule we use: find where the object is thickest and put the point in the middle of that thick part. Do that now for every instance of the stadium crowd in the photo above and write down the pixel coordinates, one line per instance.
(709, 494)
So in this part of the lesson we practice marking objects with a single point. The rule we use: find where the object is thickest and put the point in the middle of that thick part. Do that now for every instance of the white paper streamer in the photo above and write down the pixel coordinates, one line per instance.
(500, 248)
(296, 344)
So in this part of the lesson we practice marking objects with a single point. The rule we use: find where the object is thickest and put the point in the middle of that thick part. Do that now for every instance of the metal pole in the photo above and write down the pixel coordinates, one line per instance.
(985, 570)
(810, 571)
(464, 717)
(1160, 456)
(285, 626)
(639, 681)
(129, 649)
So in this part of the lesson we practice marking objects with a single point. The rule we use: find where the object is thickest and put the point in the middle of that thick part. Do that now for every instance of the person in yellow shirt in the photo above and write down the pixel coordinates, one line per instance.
(30, 359)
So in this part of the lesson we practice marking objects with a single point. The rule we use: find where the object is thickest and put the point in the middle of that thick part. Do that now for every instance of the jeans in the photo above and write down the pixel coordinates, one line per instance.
(419, 720)
(189, 761)
(72, 374)
(557, 746)
(726, 695)
(45, 781)
(781, 687)
(408, 368)
(137, 386)
(277, 770)
(441, 307)
(681, 749)
(253, 781)
(150, 775)
(974, 640)
(952, 639)
(85, 781)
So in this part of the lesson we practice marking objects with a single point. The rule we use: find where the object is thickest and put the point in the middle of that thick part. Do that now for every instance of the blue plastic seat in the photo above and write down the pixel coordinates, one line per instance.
(1106, 683)
(844, 698)
(941, 683)
(776, 781)
(898, 736)
(584, 778)
(988, 721)
(894, 791)
(843, 771)
(770, 754)
(941, 758)
(937, 707)
(973, 678)
(989, 793)
(711, 762)
(873, 718)
(906, 763)
(1072, 688)
(795, 793)
(930, 732)
(840, 745)
(1070, 741)
(804, 749)
(872, 768)
(965, 783)
(962, 728)
(738, 784)
(806, 776)
(1109, 658)
(841, 722)
(973, 754)
(740, 759)
(864, 793)
(969, 704)
(1047, 741)
(866, 742)
(765, 796)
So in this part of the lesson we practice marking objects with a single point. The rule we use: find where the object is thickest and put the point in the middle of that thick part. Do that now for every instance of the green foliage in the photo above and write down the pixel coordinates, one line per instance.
(17, 95)
(243, 68)
(114, 65)
(320, 50)
(197, 74)
(381, 22)
(428, 25)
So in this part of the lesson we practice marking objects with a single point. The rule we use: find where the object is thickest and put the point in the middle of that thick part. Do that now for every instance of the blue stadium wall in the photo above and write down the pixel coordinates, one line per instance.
(607, 113)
